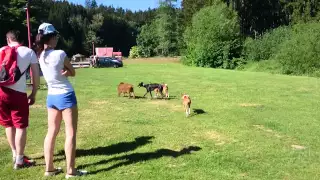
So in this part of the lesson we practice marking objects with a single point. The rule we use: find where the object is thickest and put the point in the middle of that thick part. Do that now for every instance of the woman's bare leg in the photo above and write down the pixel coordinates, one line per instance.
(54, 121)
(70, 117)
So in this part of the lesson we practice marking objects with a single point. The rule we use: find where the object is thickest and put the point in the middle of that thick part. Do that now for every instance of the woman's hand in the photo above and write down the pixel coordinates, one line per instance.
(65, 72)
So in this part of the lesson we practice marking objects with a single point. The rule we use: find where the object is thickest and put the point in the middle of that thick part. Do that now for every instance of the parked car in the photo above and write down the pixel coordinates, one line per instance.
(108, 62)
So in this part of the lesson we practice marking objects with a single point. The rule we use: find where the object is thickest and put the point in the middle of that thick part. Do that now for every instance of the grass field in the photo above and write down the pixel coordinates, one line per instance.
(246, 125)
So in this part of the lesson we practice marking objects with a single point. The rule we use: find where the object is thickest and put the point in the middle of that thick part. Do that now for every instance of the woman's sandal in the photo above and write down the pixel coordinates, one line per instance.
(78, 173)
(53, 173)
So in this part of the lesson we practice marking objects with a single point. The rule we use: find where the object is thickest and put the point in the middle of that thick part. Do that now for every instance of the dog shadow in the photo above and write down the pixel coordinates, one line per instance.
(154, 98)
(140, 97)
(134, 158)
(198, 111)
(170, 98)
(165, 98)
(136, 97)
(118, 148)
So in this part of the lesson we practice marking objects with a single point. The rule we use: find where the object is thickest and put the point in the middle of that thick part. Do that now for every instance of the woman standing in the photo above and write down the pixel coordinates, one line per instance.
(61, 99)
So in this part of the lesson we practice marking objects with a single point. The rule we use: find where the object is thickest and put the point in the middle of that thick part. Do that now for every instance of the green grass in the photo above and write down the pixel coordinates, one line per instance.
(250, 123)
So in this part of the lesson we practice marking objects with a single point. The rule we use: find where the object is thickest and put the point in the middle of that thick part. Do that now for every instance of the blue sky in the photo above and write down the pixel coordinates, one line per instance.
(126, 4)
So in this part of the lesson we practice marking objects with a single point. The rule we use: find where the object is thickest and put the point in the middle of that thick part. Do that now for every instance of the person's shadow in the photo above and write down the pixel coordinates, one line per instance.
(115, 148)
(138, 157)
(109, 150)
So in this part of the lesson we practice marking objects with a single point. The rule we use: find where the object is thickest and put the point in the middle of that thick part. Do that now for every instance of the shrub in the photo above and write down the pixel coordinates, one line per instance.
(264, 47)
(301, 54)
(135, 52)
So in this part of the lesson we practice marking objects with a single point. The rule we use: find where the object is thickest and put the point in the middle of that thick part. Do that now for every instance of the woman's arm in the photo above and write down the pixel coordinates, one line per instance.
(70, 71)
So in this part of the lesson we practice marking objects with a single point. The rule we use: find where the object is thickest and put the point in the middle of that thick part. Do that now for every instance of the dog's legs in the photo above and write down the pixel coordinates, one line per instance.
(133, 95)
(145, 94)
(185, 109)
(161, 94)
(189, 110)
(150, 94)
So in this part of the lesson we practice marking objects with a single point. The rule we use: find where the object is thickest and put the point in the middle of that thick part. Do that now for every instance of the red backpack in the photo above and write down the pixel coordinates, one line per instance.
(9, 70)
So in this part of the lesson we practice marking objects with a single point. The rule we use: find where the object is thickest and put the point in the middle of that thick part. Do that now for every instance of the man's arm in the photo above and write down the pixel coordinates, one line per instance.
(35, 79)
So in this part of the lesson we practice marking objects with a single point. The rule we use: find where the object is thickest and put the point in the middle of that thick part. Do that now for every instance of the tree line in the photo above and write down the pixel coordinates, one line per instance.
(208, 33)
(78, 25)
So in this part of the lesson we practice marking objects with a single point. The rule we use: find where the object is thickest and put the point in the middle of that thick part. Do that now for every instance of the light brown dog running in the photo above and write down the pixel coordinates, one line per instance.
(186, 101)
(166, 90)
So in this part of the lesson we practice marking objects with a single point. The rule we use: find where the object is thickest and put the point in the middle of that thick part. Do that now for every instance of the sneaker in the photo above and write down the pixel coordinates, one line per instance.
(78, 173)
(27, 162)
(53, 173)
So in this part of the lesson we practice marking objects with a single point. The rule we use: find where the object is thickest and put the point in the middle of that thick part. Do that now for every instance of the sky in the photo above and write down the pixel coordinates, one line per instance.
(134, 5)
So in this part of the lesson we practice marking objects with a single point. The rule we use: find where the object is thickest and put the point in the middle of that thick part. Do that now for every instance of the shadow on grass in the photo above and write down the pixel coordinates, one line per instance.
(169, 98)
(140, 97)
(141, 157)
(156, 98)
(109, 150)
(198, 111)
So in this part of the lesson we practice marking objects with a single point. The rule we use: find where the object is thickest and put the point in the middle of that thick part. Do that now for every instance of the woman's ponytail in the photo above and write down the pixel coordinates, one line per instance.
(39, 44)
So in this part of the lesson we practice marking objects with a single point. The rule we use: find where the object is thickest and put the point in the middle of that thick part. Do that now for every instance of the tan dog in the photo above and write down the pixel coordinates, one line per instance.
(125, 88)
(186, 101)
(165, 91)
(157, 92)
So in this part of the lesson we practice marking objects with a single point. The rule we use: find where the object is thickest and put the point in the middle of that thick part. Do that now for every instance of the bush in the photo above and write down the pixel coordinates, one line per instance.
(270, 66)
(237, 63)
(301, 54)
(264, 47)
(135, 52)
(213, 39)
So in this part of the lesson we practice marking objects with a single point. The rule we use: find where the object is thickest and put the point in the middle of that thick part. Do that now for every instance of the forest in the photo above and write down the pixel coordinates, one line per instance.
(280, 36)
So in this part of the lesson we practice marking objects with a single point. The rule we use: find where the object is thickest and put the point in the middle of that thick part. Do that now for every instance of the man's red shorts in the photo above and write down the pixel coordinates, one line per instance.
(14, 108)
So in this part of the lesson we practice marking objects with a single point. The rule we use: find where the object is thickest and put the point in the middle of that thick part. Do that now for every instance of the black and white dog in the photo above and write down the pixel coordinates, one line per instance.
(151, 87)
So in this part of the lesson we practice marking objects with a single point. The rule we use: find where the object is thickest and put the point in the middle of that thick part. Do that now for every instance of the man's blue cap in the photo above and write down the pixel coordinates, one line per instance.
(47, 28)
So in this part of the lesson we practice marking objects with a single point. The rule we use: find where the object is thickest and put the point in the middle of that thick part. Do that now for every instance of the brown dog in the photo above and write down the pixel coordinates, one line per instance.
(125, 88)
(165, 91)
(186, 101)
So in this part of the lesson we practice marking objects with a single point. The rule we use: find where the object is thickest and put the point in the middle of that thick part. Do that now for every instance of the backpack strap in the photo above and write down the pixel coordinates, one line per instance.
(25, 70)
(16, 48)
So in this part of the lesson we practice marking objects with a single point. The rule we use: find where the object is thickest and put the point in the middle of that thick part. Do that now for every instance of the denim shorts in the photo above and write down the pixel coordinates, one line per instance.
(61, 101)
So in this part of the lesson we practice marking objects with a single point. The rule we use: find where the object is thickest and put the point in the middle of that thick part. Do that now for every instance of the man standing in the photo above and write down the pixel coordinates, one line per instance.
(14, 102)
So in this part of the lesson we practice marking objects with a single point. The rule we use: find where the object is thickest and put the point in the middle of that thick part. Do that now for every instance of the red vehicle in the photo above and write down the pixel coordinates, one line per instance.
(108, 52)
